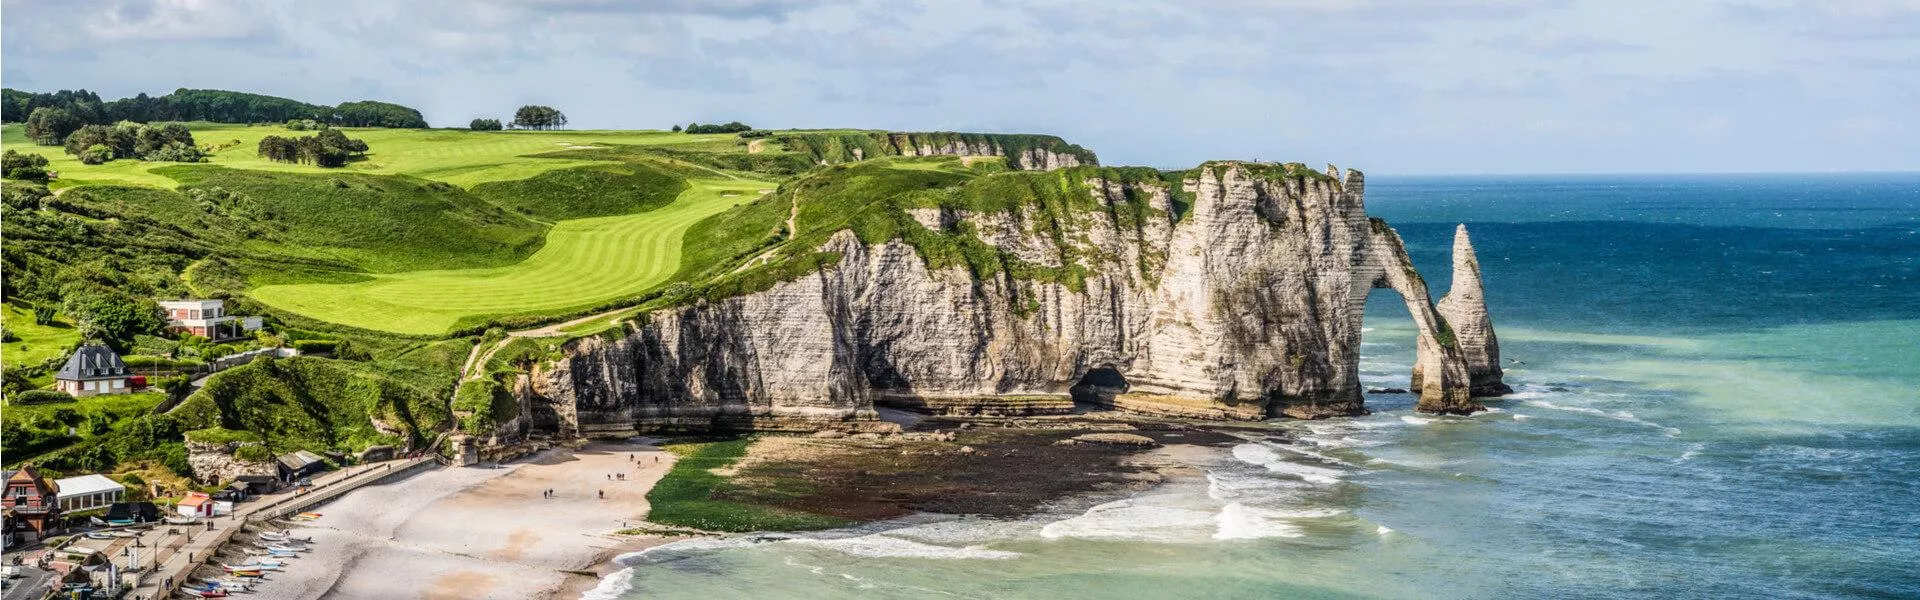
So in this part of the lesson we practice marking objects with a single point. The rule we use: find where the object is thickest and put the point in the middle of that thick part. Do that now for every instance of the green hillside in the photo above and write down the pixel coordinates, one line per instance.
(391, 263)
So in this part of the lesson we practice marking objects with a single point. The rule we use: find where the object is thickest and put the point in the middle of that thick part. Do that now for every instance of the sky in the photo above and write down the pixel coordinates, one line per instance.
(1386, 86)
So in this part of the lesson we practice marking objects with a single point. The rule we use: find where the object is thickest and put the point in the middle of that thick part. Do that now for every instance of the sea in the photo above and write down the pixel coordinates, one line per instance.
(1717, 396)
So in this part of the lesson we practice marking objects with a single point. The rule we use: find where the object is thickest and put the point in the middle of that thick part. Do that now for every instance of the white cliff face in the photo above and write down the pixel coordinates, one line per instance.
(1245, 305)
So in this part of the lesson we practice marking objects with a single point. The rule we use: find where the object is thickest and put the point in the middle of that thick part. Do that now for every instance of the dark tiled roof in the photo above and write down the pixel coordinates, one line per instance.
(93, 361)
(298, 459)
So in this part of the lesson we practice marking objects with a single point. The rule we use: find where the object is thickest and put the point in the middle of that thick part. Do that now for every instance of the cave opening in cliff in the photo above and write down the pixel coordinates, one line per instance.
(1097, 389)
(1387, 335)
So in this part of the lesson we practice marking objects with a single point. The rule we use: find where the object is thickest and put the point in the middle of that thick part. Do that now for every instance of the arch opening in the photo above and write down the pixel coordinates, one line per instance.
(1388, 349)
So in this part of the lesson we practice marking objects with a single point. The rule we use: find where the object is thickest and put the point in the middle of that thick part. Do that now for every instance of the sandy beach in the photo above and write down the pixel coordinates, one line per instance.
(479, 532)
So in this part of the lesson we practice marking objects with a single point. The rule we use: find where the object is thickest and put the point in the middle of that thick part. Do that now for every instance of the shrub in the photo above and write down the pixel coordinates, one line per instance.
(253, 453)
(41, 397)
(484, 125)
(313, 346)
(96, 154)
(30, 167)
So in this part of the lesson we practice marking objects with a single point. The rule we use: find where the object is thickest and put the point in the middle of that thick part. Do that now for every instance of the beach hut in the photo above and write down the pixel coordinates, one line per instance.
(88, 492)
(196, 504)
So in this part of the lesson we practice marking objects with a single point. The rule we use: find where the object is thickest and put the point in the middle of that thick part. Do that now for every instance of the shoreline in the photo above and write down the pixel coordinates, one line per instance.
(477, 532)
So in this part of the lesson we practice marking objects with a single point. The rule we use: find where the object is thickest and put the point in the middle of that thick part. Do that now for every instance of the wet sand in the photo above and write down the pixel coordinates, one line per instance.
(479, 532)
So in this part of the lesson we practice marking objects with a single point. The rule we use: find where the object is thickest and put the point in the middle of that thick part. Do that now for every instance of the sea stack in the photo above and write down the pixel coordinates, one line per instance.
(1465, 310)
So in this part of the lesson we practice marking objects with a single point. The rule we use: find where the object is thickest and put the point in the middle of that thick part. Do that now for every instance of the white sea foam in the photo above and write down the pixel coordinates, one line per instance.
(696, 546)
(886, 546)
(1618, 415)
(1692, 451)
(1238, 521)
(1144, 519)
(1413, 420)
(1261, 454)
(611, 587)
(1383, 530)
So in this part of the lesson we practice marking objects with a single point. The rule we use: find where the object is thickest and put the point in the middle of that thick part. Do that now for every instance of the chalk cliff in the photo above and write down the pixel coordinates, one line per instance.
(1465, 310)
(1230, 291)
(1023, 151)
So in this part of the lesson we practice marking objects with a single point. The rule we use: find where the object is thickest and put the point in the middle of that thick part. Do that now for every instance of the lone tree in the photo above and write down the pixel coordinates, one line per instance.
(534, 116)
(484, 125)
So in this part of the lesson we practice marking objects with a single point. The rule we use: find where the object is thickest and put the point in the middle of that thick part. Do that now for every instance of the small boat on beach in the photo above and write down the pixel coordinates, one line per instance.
(273, 536)
(126, 534)
(242, 570)
(181, 520)
(203, 593)
(99, 535)
(306, 516)
(286, 549)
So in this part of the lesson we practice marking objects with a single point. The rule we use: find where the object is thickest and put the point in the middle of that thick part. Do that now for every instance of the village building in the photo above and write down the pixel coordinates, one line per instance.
(196, 504)
(93, 370)
(207, 319)
(88, 492)
(300, 464)
(29, 504)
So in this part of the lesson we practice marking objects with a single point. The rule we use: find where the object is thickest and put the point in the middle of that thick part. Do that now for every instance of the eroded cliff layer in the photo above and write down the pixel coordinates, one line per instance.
(1230, 291)
(1022, 151)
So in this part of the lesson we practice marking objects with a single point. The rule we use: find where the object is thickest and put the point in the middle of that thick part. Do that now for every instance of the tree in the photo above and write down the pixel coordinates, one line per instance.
(49, 126)
(533, 116)
(329, 148)
(676, 128)
(114, 318)
(30, 167)
(484, 125)
(730, 127)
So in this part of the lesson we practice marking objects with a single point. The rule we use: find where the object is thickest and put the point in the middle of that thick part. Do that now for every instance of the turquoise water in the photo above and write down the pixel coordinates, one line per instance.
(1719, 397)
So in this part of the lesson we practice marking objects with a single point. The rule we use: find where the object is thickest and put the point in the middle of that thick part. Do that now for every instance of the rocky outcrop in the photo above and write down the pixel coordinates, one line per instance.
(1465, 310)
(1235, 292)
(1023, 151)
(217, 462)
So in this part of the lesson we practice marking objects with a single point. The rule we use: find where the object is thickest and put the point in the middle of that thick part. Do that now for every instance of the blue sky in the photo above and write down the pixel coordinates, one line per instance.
(1388, 86)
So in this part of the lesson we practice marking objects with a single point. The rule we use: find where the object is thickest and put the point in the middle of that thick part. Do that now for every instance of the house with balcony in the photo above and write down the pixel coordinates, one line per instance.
(93, 370)
(30, 504)
(207, 319)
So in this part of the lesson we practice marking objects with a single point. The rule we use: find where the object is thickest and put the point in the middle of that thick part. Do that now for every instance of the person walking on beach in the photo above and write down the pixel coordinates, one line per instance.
(603, 494)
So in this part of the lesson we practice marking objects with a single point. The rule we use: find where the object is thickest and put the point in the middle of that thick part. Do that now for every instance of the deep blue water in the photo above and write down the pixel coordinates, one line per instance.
(1719, 397)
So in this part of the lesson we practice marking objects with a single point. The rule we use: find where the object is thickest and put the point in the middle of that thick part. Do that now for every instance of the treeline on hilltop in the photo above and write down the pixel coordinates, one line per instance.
(82, 107)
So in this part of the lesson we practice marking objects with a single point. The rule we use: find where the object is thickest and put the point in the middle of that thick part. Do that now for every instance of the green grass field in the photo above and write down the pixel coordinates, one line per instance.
(38, 343)
(462, 158)
(585, 262)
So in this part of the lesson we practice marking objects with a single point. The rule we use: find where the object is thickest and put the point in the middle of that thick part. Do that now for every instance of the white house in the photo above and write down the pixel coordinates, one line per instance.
(207, 319)
(88, 491)
(92, 370)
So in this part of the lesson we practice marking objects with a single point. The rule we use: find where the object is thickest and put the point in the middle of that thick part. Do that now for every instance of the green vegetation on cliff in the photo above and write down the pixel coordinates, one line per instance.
(315, 404)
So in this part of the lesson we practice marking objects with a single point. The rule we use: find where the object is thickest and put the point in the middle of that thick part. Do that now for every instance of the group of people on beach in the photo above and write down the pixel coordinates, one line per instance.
(550, 494)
